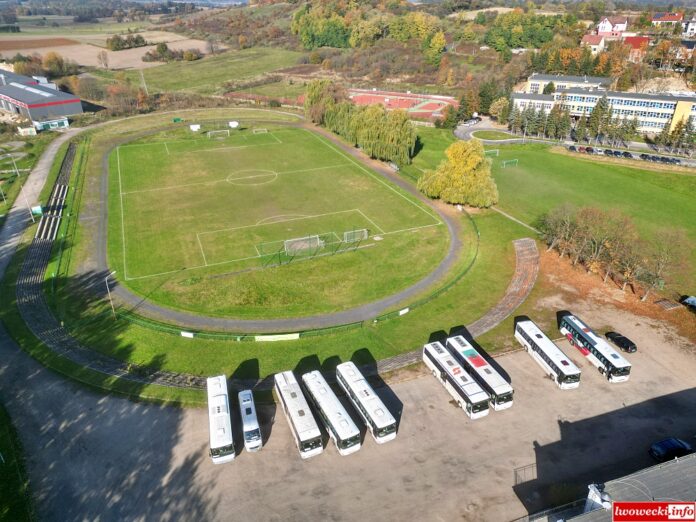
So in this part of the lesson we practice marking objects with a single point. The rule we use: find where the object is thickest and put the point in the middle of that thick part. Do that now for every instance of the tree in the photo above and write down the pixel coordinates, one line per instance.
(557, 227)
(499, 108)
(549, 88)
(320, 96)
(581, 128)
(53, 63)
(665, 259)
(463, 178)
(435, 48)
(488, 91)
(103, 59)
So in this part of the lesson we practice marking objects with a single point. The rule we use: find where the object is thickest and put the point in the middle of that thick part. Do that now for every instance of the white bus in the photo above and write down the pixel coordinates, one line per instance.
(250, 423)
(221, 439)
(377, 418)
(302, 423)
(482, 372)
(338, 423)
(549, 356)
(607, 360)
(468, 394)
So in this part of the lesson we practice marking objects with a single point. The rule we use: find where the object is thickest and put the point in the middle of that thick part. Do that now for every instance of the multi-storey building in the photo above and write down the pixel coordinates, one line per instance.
(653, 111)
(536, 82)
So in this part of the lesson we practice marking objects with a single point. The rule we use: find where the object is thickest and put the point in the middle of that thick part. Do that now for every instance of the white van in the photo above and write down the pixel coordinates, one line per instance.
(250, 424)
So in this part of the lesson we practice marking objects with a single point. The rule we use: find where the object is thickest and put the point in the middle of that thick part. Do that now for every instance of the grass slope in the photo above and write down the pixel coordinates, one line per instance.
(15, 501)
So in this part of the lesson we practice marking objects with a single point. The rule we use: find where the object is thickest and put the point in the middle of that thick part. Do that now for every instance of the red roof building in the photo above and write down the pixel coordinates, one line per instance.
(660, 19)
(594, 41)
(638, 45)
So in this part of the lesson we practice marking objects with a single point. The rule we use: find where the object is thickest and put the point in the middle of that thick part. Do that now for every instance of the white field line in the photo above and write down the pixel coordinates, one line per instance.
(123, 226)
(275, 137)
(411, 229)
(381, 231)
(276, 222)
(167, 148)
(268, 220)
(333, 147)
(211, 182)
(205, 261)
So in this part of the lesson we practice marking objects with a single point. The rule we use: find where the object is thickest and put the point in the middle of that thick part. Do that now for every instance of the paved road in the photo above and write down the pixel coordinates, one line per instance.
(361, 313)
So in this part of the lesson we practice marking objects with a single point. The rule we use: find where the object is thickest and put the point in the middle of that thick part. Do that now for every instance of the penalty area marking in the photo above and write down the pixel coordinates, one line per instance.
(269, 175)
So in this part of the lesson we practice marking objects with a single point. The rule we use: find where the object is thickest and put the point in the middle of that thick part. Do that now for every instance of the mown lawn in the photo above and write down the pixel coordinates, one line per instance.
(15, 501)
(208, 75)
(492, 135)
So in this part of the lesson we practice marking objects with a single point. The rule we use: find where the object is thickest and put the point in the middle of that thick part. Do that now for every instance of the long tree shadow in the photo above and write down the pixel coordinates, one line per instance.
(364, 359)
(90, 455)
(246, 377)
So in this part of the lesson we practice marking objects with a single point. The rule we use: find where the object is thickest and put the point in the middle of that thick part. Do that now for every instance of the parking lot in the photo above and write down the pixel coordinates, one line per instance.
(113, 459)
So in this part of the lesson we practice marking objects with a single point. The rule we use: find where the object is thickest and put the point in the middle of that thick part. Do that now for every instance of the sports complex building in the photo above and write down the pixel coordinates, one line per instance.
(418, 106)
(36, 100)
(653, 111)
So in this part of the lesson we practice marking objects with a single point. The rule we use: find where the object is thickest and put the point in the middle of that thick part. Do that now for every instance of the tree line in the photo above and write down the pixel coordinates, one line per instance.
(381, 134)
(607, 243)
(130, 41)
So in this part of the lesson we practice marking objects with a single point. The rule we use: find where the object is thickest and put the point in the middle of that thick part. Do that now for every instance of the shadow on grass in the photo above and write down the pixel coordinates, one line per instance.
(364, 359)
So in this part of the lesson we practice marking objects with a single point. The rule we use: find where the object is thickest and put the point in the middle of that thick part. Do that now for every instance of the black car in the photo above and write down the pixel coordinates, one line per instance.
(572, 148)
(617, 153)
(589, 150)
(627, 154)
(622, 342)
(654, 158)
(669, 449)
(675, 161)
(664, 160)
(645, 157)
(608, 152)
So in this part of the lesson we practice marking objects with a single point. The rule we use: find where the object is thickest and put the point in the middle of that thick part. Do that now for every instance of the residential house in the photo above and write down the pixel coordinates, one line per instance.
(639, 47)
(667, 19)
(594, 41)
(612, 26)
(689, 28)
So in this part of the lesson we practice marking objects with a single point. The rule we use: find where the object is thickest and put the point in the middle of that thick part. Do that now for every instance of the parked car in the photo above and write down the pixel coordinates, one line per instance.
(689, 301)
(581, 149)
(654, 158)
(675, 161)
(608, 152)
(669, 449)
(617, 153)
(589, 150)
(572, 148)
(621, 341)
(645, 157)
(664, 160)
(627, 154)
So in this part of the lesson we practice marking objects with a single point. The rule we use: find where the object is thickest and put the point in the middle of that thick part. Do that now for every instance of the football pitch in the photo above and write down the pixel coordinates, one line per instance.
(198, 207)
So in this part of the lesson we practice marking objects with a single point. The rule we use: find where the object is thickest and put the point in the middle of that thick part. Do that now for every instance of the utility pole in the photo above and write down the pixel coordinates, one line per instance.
(108, 291)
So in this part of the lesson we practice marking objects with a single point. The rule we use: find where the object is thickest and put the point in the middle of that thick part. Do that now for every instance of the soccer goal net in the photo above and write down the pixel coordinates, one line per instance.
(508, 163)
(219, 133)
(354, 236)
(302, 245)
(260, 131)
(492, 152)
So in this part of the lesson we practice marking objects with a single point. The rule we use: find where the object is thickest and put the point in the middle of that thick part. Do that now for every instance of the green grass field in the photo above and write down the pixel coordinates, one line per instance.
(492, 135)
(543, 180)
(208, 75)
(199, 223)
(15, 502)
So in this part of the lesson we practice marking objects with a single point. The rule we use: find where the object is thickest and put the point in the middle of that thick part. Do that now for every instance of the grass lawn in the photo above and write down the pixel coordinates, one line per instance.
(492, 135)
(29, 25)
(543, 180)
(204, 223)
(208, 75)
(15, 501)
(430, 150)
(280, 89)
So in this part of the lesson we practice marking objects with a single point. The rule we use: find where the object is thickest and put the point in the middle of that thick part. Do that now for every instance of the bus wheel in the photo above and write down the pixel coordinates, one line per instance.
(601, 371)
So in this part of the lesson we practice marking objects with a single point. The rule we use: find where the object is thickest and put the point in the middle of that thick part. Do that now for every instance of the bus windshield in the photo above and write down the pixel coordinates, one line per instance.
(505, 397)
(223, 451)
(252, 435)
(621, 371)
(569, 378)
(350, 441)
(311, 444)
(381, 432)
(479, 406)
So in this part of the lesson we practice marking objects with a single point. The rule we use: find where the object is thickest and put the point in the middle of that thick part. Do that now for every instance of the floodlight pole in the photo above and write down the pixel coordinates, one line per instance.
(108, 291)
(31, 214)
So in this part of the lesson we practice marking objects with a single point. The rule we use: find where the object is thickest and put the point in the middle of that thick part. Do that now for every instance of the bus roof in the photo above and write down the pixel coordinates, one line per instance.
(381, 416)
(600, 344)
(248, 410)
(298, 410)
(470, 387)
(330, 405)
(219, 412)
(549, 347)
(469, 355)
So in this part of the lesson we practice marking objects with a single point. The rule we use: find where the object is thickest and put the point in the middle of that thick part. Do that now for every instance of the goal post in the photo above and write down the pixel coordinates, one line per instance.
(260, 131)
(222, 133)
(302, 245)
(355, 236)
(508, 163)
(492, 152)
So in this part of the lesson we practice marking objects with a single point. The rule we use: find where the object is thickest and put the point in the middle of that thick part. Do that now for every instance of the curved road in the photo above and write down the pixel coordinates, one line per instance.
(361, 313)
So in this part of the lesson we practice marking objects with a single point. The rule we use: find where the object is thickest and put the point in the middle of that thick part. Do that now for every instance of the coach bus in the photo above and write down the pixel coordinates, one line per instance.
(338, 423)
(468, 394)
(250, 423)
(545, 352)
(221, 439)
(378, 420)
(482, 372)
(607, 360)
(303, 425)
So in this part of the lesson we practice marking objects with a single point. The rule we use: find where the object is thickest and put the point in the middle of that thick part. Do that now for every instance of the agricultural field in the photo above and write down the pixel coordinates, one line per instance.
(205, 223)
